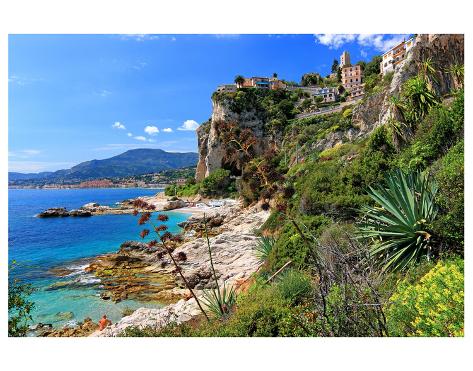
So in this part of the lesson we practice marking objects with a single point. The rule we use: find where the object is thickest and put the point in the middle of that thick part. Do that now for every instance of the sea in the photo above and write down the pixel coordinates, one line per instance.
(37, 245)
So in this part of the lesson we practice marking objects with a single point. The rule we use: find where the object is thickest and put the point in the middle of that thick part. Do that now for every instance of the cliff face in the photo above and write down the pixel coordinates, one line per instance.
(444, 50)
(211, 148)
(373, 111)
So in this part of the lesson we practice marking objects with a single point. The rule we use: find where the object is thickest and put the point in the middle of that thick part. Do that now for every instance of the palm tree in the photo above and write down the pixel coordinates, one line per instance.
(239, 80)
(275, 75)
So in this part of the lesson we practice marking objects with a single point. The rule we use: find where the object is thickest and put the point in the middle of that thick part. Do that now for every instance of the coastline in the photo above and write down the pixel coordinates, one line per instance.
(136, 272)
(232, 239)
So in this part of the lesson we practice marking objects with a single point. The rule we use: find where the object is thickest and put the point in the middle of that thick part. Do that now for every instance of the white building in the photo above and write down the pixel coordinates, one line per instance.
(396, 55)
(344, 59)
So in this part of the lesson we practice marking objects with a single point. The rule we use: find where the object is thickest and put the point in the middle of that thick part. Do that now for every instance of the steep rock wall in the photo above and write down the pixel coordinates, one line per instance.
(211, 148)
(444, 50)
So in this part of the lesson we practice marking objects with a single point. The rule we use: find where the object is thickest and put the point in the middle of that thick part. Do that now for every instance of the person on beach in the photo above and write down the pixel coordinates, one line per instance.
(104, 322)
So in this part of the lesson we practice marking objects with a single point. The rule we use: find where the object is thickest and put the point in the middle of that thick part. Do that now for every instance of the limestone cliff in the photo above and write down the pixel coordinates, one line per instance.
(211, 147)
(371, 112)
(444, 50)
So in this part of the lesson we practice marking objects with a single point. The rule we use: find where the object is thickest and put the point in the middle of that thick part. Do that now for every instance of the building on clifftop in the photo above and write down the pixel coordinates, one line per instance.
(395, 55)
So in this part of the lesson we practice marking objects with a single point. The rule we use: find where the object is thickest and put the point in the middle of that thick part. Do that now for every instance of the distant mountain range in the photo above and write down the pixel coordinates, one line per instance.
(132, 162)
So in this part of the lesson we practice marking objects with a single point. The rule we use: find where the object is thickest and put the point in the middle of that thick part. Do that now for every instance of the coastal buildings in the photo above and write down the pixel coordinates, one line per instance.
(272, 83)
(327, 94)
(345, 59)
(396, 55)
(352, 78)
(262, 83)
(228, 88)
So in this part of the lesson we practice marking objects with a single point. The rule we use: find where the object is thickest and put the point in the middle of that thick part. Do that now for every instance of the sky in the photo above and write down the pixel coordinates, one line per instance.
(74, 98)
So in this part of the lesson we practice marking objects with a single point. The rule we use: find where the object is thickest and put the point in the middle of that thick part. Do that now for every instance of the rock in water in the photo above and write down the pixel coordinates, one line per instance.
(80, 212)
(54, 212)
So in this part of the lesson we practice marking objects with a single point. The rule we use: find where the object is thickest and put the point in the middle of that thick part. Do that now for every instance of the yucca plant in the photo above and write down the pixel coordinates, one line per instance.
(398, 223)
(458, 73)
(220, 302)
(420, 98)
(264, 247)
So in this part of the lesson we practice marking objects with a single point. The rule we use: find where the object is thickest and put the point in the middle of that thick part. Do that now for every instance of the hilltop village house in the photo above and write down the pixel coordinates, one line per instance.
(395, 55)
(351, 77)
(328, 94)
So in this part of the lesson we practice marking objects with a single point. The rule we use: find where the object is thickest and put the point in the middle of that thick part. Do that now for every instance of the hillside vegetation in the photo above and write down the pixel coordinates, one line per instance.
(373, 228)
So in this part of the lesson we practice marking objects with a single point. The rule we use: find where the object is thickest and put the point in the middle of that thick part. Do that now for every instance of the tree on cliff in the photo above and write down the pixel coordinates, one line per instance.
(335, 66)
(239, 80)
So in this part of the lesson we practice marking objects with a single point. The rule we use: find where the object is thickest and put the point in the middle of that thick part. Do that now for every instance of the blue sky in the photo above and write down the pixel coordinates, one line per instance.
(74, 98)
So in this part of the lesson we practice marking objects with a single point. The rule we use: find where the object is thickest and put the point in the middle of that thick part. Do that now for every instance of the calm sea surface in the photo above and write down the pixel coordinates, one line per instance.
(41, 244)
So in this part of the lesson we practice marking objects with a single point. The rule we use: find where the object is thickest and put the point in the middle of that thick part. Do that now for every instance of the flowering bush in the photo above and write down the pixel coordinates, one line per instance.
(434, 306)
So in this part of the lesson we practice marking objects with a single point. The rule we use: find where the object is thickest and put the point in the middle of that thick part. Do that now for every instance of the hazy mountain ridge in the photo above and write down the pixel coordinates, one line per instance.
(132, 162)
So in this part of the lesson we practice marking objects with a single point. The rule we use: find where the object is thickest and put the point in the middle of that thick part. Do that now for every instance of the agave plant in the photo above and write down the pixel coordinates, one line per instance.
(428, 72)
(397, 224)
(458, 72)
(400, 126)
(264, 247)
(420, 98)
(220, 302)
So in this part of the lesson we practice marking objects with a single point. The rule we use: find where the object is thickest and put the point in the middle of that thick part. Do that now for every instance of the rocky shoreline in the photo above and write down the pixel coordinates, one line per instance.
(232, 239)
(139, 272)
(159, 201)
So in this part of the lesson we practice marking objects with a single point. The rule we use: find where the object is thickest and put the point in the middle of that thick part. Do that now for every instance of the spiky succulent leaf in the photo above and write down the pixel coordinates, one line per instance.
(397, 224)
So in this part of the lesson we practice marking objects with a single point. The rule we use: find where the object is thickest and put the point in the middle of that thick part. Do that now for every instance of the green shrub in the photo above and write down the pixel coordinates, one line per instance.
(449, 225)
(435, 135)
(434, 306)
(260, 312)
(294, 286)
(218, 183)
(291, 246)
(19, 304)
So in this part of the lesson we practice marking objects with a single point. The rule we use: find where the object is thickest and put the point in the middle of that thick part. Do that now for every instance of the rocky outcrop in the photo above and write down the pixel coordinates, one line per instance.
(211, 148)
(61, 212)
(233, 252)
(445, 50)
(373, 111)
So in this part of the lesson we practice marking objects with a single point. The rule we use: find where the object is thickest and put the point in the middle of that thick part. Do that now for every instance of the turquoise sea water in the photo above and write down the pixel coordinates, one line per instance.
(41, 244)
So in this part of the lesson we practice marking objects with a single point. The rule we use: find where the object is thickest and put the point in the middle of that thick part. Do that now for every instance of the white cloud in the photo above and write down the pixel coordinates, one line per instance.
(24, 153)
(129, 134)
(140, 137)
(151, 130)
(363, 53)
(173, 38)
(167, 130)
(379, 42)
(36, 166)
(227, 36)
(139, 65)
(152, 140)
(105, 93)
(189, 125)
(118, 125)
(139, 37)
(23, 80)
(334, 41)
